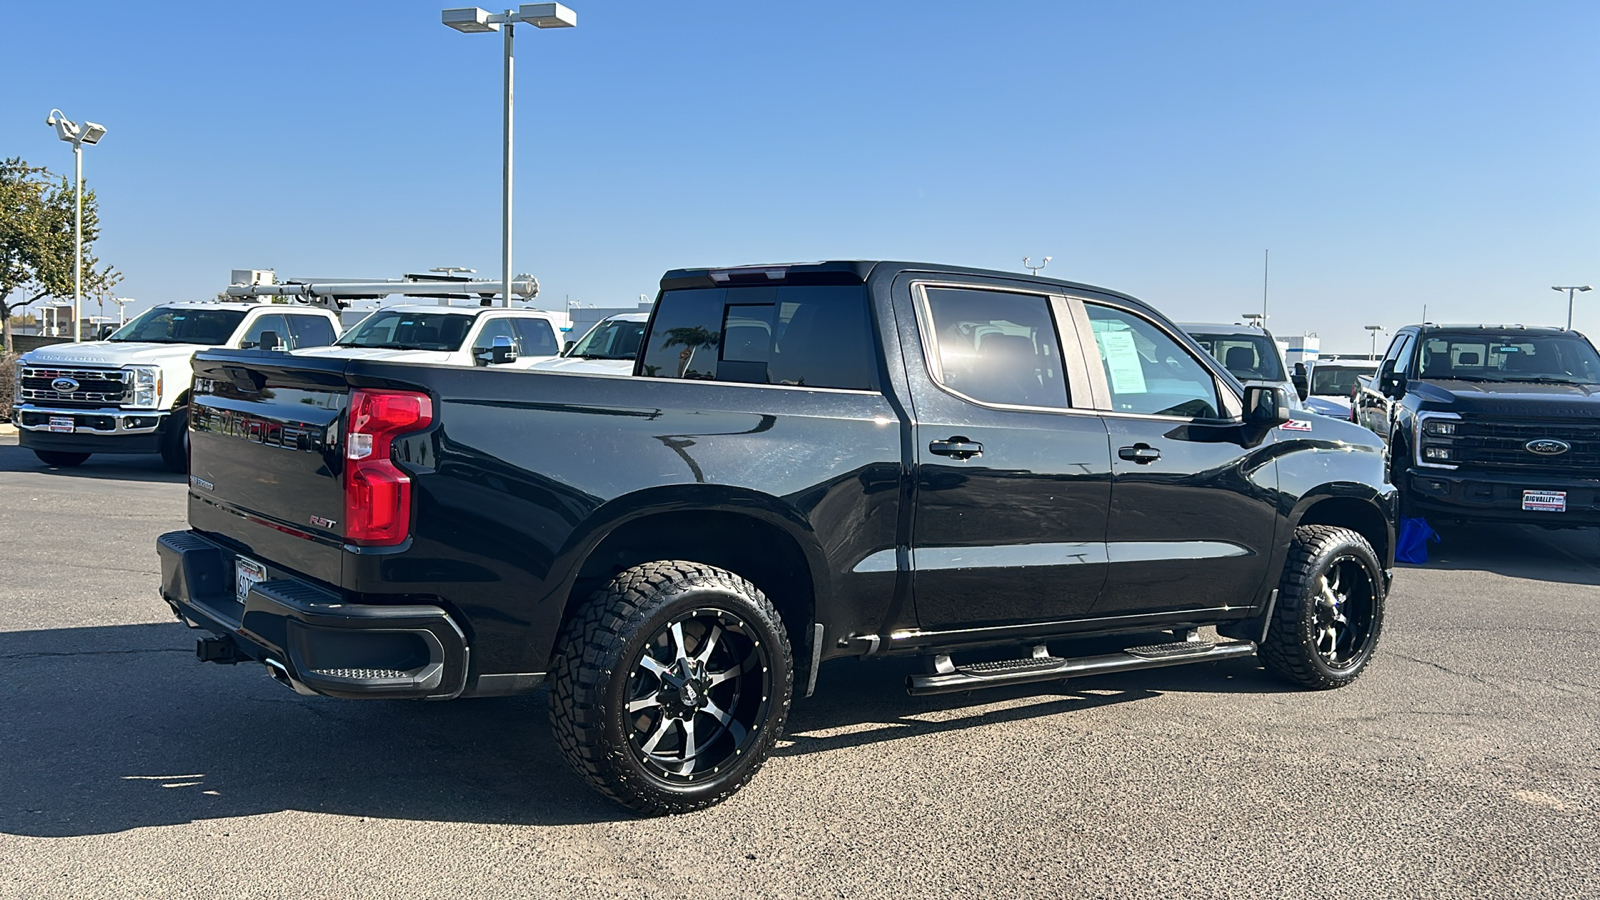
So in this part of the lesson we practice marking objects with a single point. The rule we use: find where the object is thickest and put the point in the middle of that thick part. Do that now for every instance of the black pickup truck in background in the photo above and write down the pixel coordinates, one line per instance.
(1490, 423)
(809, 462)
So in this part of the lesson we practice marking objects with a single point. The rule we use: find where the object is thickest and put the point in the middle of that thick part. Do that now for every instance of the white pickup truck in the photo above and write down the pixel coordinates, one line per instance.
(449, 336)
(130, 393)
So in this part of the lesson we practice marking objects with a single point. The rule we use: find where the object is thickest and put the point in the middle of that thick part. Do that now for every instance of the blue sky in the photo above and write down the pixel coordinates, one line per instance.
(1389, 154)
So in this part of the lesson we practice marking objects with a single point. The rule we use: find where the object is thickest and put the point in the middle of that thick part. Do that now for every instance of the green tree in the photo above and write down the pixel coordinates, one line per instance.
(36, 240)
(691, 339)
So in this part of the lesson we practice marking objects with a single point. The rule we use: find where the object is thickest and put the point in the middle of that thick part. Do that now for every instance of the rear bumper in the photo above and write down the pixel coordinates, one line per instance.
(1497, 497)
(309, 638)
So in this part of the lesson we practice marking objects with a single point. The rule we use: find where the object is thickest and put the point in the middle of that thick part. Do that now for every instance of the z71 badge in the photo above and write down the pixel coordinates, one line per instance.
(1296, 425)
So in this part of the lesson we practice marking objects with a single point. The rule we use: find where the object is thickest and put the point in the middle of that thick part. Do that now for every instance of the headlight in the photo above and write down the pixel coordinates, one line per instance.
(1436, 453)
(1436, 439)
(146, 386)
(1437, 427)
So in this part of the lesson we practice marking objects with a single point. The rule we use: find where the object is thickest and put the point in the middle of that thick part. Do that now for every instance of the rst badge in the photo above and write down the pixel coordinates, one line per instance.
(320, 522)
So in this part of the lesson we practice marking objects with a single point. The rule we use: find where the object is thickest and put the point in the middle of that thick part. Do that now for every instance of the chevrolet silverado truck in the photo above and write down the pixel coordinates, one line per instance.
(807, 463)
(130, 393)
(1490, 423)
(449, 336)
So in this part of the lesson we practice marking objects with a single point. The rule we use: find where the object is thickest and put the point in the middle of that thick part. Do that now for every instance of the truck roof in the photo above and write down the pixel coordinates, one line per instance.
(1220, 328)
(855, 271)
(457, 310)
(1427, 327)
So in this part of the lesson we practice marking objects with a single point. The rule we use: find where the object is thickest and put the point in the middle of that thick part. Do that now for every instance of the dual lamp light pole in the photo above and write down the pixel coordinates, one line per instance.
(472, 20)
(91, 134)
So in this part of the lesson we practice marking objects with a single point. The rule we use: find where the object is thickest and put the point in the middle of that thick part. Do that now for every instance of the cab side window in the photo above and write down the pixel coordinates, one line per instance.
(310, 331)
(274, 323)
(536, 337)
(494, 328)
(995, 346)
(1147, 371)
(1403, 355)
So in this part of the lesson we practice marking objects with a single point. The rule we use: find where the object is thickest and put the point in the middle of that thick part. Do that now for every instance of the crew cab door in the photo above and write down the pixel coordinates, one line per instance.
(1012, 474)
(1193, 510)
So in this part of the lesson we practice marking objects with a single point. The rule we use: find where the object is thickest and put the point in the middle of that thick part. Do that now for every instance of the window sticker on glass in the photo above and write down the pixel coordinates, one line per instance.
(1122, 361)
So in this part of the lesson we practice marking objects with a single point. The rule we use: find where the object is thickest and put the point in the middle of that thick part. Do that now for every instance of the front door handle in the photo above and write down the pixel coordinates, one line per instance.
(957, 447)
(1139, 453)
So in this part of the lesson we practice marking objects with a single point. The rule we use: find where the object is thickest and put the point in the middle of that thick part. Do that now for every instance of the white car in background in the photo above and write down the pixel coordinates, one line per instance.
(1333, 383)
(449, 336)
(609, 348)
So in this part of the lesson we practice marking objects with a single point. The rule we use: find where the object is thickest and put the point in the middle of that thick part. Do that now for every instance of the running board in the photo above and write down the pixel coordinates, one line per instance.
(948, 678)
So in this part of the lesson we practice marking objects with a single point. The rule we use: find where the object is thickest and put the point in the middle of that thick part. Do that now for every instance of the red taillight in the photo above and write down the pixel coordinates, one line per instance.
(377, 495)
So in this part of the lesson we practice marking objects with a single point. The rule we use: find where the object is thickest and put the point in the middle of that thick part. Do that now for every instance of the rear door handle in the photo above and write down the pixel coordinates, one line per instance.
(1139, 453)
(957, 447)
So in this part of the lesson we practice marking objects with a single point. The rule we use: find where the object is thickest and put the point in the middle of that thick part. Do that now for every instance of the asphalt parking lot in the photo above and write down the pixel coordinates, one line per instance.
(1465, 763)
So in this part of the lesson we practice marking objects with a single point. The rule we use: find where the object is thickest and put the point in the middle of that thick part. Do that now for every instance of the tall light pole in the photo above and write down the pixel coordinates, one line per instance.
(1374, 330)
(90, 133)
(1570, 289)
(472, 20)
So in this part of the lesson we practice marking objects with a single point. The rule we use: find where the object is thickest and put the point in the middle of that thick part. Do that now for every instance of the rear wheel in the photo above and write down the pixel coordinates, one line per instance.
(670, 686)
(1330, 609)
(60, 459)
(175, 443)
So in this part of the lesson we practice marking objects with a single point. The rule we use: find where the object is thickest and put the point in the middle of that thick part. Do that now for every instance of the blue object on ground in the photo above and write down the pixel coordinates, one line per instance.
(1411, 546)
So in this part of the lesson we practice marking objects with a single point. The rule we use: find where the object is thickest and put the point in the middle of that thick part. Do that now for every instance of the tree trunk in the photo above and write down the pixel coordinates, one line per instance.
(6, 348)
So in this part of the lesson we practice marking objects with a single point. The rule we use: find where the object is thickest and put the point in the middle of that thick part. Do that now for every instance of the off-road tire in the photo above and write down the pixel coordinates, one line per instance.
(596, 660)
(60, 458)
(1291, 646)
(175, 443)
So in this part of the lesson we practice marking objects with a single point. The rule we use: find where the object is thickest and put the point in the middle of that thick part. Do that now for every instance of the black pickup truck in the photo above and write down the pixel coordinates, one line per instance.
(809, 462)
(1491, 423)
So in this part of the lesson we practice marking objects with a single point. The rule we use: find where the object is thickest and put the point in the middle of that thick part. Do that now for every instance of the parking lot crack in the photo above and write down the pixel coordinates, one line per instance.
(1446, 669)
(45, 654)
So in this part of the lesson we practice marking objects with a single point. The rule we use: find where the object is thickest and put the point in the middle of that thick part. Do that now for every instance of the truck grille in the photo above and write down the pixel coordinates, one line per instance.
(95, 387)
(1503, 445)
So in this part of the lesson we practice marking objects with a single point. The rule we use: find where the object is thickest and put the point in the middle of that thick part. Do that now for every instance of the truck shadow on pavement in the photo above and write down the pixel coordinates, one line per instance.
(1568, 556)
(118, 727)
(106, 466)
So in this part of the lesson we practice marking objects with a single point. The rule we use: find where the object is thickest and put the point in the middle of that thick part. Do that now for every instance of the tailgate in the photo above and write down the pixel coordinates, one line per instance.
(266, 462)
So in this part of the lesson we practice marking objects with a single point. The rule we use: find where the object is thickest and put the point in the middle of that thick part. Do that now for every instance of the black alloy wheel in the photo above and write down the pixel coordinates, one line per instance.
(697, 695)
(1329, 614)
(670, 686)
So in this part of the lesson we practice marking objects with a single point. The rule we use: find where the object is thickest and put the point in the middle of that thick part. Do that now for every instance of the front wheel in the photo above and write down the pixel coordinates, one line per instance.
(60, 459)
(1330, 609)
(670, 686)
(175, 443)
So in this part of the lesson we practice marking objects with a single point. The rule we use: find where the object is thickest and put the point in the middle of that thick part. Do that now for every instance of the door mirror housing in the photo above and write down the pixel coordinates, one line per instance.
(269, 341)
(1391, 384)
(1302, 384)
(499, 352)
(1266, 406)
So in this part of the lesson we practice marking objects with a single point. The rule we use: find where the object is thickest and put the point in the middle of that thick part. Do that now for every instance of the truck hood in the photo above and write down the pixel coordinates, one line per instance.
(112, 355)
(1520, 399)
(378, 354)
(1329, 405)
(573, 364)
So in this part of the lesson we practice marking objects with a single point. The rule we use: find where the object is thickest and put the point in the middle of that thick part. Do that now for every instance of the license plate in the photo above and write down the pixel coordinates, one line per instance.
(246, 572)
(1544, 501)
(61, 424)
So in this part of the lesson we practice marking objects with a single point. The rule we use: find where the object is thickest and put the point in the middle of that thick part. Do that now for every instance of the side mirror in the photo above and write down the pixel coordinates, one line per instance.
(1265, 406)
(499, 352)
(1391, 384)
(567, 347)
(269, 341)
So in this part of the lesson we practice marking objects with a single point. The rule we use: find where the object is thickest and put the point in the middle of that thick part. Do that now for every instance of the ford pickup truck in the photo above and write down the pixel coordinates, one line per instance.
(1490, 423)
(807, 463)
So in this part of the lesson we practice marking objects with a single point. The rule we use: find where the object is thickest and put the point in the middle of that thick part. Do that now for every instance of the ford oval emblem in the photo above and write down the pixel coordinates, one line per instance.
(1547, 447)
(64, 385)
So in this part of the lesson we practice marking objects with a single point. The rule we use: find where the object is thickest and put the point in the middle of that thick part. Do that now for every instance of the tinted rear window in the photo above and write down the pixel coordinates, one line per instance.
(805, 335)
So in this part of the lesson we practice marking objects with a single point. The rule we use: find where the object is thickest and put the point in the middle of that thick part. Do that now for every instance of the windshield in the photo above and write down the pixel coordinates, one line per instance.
(1250, 357)
(1330, 381)
(611, 339)
(166, 325)
(408, 330)
(1557, 358)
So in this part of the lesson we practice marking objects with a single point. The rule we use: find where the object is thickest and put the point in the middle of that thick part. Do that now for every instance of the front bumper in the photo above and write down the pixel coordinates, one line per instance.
(308, 637)
(1497, 497)
(109, 430)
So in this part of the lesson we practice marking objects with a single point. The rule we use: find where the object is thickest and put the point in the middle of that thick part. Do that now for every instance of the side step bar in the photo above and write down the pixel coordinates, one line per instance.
(948, 678)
